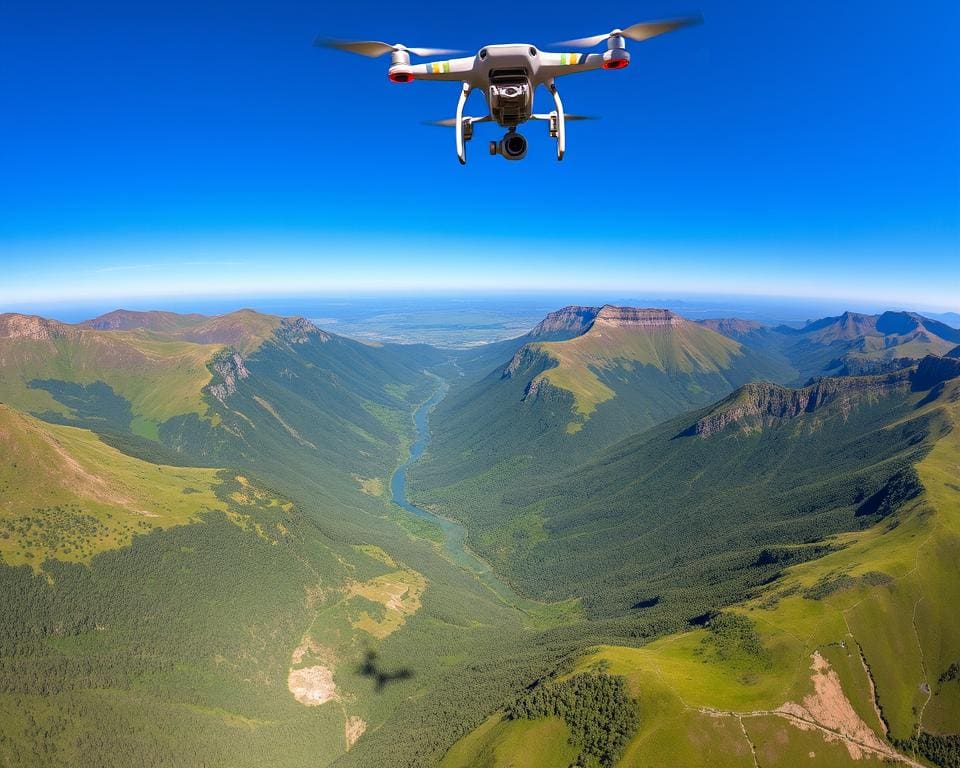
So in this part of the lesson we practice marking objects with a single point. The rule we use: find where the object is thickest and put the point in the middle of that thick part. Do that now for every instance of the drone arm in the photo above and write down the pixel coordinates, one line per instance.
(450, 69)
(559, 64)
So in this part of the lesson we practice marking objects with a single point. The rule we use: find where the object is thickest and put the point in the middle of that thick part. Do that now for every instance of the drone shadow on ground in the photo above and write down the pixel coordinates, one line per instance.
(371, 667)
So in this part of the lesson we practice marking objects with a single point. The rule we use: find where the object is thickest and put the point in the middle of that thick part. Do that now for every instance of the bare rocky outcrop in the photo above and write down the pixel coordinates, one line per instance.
(299, 330)
(230, 368)
(575, 319)
(522, 359)
(17, 326)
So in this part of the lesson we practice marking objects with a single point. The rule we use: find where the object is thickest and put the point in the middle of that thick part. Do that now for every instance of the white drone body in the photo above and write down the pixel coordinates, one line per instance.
(508, 76)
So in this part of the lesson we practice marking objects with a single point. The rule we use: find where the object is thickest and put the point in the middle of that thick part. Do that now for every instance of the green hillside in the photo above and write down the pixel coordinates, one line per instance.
(690, 514)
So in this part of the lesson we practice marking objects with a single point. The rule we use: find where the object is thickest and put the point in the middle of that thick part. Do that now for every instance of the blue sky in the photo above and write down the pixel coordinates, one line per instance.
(159, 149)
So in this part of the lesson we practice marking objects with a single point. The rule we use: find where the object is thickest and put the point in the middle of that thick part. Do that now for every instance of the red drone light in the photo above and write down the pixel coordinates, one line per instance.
(616, 63)
(400, 77)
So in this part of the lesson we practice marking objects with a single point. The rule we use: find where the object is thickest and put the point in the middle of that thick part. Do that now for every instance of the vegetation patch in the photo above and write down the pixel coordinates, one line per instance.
(372, 486)
(398, 594)
(732, 639)
(601, 717)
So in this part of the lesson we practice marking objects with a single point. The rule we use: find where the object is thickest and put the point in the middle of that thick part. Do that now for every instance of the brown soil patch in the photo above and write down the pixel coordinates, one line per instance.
(829, 706)
(312, 686)
(354, 729)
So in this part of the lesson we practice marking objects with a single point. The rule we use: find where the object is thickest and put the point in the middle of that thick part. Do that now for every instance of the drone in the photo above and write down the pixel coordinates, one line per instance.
(508, 75)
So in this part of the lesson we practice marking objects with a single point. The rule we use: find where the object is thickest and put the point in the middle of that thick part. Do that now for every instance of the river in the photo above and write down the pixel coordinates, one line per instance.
(454, 532)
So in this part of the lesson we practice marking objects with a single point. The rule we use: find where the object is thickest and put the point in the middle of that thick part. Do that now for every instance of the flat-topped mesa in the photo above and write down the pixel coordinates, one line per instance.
(759, 404)
(625, 317)
(17, 326)
(573, 318)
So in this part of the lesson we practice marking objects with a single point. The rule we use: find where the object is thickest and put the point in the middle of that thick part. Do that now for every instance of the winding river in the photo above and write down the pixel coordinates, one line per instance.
(454, 532)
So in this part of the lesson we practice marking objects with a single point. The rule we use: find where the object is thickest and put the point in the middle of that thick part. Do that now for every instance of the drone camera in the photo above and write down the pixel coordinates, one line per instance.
(513, 146)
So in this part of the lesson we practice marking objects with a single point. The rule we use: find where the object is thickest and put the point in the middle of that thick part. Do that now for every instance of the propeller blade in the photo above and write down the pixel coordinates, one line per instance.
(451, 122)
(374, 48)
(432, 51)
(647, 29)
(371, 48)
(583, 42)
(638, 32)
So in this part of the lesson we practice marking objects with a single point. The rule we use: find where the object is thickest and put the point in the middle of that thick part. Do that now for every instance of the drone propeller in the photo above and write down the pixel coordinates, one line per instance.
(374, 48)
(639, 32)
(451, 122)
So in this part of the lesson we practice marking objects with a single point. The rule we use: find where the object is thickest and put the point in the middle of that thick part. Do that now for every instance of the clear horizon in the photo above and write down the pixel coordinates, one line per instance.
(158, 152)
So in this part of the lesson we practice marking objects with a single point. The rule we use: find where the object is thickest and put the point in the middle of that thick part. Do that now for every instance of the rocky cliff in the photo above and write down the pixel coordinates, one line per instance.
(230, 369)
(299, 330)
(760, 404)
(574, 319)
(624, 317)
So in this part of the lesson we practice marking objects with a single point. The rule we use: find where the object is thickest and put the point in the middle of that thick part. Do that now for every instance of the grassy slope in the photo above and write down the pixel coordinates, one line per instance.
(686, 348)
(704, 711)
(160, 377)
(519, 743)
(66, 494)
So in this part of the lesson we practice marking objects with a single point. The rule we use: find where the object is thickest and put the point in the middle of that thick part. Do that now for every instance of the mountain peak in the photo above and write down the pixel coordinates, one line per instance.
(16, 326)
(151, 320)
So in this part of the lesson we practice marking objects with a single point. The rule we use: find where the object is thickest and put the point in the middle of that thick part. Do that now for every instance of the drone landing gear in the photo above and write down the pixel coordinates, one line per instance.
(464, 126)
(558, 122)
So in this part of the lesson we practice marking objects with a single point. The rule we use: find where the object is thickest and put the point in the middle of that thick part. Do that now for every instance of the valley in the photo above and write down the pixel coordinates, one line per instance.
(743, 547)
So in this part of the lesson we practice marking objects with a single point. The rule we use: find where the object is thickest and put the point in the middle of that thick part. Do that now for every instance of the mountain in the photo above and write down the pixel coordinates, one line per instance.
(682, 513)
(857, 343)
(558, 403)
(842, 649)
